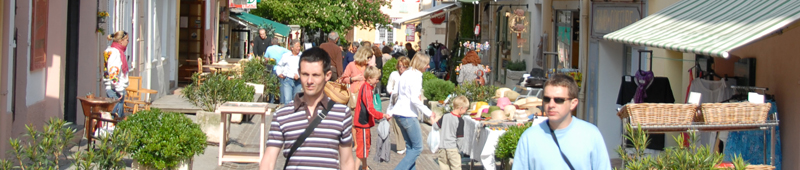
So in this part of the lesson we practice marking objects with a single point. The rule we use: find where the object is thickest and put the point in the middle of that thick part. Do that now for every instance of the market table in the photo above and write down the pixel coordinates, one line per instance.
(486, 141)
(249, 108)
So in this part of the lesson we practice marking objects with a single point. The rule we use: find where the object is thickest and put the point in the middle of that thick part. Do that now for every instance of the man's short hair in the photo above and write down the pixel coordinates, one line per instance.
(372, 72)
(276, 41)
(316, 54)
(262, 29)
(362, 55)
(333, 36)
(563, 80)
(460, 102)
(295, 41)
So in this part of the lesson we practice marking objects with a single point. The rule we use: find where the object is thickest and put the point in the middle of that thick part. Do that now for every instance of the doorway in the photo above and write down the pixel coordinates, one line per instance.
(71, 70)
(190, 38)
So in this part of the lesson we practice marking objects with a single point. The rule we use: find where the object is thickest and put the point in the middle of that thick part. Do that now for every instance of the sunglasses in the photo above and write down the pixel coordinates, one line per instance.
(558, 100)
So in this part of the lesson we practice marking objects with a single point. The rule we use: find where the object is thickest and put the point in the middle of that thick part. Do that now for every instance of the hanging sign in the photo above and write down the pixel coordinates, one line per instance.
(477, 29)
(244, 4)
(410, 32)
(439, 19)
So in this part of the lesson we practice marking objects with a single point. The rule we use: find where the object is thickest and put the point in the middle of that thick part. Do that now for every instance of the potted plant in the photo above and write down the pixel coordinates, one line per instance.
(436, 91)
(215, 90)
(41, 149)
(514, 72)
(101, 16)
(162, 140)
(257, 72)
(684, 156)
(507, 143)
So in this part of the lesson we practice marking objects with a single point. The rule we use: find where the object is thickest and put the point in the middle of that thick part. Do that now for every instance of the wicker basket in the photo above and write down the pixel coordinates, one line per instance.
(659, 113)
(734, 113)
(760, 167)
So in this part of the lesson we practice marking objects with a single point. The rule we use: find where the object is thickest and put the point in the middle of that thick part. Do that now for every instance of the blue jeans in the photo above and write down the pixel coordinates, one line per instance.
(409, 127)
(119, 109)
(289, 87)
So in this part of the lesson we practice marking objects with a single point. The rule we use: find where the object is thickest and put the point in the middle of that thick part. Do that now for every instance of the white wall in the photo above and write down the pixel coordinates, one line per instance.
(610, 76)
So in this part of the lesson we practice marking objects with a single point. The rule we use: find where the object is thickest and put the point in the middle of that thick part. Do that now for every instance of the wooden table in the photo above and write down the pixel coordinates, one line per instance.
(252, 108)
(219, 67)
(91, 111)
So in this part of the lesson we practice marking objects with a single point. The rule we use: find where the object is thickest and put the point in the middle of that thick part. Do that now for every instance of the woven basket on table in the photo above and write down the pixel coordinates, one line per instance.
(734, 113)
(659, 113)
(759, 167)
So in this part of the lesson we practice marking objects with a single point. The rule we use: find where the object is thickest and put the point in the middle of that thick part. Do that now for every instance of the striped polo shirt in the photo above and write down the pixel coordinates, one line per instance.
(321, 149)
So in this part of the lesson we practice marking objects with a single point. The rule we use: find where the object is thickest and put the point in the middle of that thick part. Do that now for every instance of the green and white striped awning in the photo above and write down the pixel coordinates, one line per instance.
(709, 27)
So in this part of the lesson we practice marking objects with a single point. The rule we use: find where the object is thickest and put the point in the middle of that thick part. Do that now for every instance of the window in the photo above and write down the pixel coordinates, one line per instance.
(385, 34)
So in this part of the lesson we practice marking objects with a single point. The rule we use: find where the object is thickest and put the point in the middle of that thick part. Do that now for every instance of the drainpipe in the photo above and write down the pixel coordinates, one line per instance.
(148, 64)
(583, 48)
(134, 20)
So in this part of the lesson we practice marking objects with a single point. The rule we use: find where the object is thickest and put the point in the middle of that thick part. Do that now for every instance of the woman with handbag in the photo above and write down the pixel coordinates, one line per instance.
(471, 69)
(402, 65)
(406, 108)
(353, 75)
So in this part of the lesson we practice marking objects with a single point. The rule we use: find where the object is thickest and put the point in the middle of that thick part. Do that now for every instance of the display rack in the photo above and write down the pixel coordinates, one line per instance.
(769, 124)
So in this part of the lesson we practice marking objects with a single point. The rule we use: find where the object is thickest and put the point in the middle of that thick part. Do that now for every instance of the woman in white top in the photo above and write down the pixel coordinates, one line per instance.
(402, 65)
(287, 72)
(116, 70)
(407, 106)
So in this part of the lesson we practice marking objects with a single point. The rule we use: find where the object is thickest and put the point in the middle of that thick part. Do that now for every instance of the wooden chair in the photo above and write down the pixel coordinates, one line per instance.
(137, 98)
(92, 111)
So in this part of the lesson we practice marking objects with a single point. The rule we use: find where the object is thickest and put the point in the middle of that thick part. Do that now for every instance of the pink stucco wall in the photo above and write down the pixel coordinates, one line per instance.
(776, 69)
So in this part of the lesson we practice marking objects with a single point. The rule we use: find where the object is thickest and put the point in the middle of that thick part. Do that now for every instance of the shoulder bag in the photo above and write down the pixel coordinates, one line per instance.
(308, 132)
(552, 133)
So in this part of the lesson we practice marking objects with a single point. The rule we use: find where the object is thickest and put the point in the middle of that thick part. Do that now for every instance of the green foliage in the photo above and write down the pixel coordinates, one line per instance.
(475, 92)
(467, 29)
(681, 157)
(388, 67)
(426, 76)
(162, 140)
(516, 65)
(437, 89)
(43, 150)
(325, 15)
(255, 71)
(106, 155)
(739, 163)
(507, 143)
(215, 89)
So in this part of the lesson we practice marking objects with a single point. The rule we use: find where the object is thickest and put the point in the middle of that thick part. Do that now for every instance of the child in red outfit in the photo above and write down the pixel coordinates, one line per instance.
(365, 115)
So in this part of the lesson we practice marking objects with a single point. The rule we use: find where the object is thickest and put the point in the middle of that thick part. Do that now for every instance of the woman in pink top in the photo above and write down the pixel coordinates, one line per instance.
(354, 72)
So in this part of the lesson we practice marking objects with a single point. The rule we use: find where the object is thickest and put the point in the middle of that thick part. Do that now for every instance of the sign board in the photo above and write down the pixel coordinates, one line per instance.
(410, 32)
(244, 4)
(610, 17)
(438, 19)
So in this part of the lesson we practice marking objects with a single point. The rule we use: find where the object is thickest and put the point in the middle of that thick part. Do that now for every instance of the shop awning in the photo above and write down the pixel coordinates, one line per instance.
(427, 13)
(257, 21)
(711, 28)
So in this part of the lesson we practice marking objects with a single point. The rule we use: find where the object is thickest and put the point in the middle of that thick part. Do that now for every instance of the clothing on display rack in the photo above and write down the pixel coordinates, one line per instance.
(437, 55)
(659, 91)
(750, 144)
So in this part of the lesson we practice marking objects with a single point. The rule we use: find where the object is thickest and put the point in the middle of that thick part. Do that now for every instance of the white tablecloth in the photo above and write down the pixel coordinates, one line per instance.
(486, 144)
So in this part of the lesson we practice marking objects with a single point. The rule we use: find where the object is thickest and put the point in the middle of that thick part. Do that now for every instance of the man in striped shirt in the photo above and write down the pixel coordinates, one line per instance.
(330, 145)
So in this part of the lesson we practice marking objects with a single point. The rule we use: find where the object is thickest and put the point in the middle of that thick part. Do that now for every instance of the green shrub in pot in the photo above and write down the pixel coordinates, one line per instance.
(437, 89)
(507, 143)
(475, 92)
(255, 71)
(162, 140)
(516, 65)
(215, 89)
(388, 67)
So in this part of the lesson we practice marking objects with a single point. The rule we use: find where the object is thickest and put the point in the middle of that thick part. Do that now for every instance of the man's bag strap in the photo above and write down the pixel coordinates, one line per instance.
(552, 133)
(309, 130)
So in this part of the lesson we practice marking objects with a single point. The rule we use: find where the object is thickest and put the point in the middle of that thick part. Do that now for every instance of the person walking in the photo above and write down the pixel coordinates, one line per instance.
(275, 52)
(348, 56)
(410, 51)
(365, 115)
(394, 77)
(579, 143)
(115, 75)
(335, 52)
(330, 146)
(262, 42)
(407, 107)
(287, 72)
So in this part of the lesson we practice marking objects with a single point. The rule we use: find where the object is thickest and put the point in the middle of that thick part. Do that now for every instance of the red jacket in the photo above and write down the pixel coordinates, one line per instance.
(365, 95)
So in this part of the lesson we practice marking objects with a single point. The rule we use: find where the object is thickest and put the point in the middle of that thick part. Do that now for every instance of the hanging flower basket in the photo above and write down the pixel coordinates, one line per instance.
(101, 16)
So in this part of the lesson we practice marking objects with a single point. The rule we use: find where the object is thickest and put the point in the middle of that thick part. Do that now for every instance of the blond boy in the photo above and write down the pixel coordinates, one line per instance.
(451, 127)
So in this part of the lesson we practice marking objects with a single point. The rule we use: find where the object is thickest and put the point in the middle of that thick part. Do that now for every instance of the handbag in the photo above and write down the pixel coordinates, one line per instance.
(559, 147)
(376, 101)
(337, 92)
(308, 132)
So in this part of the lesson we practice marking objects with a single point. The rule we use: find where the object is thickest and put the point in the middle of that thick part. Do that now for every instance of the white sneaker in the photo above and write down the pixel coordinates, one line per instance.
(401, 152)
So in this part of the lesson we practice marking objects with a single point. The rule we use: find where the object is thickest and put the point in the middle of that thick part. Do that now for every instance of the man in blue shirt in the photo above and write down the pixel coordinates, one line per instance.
(563, 141)
(349, 54)
(275, 51)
